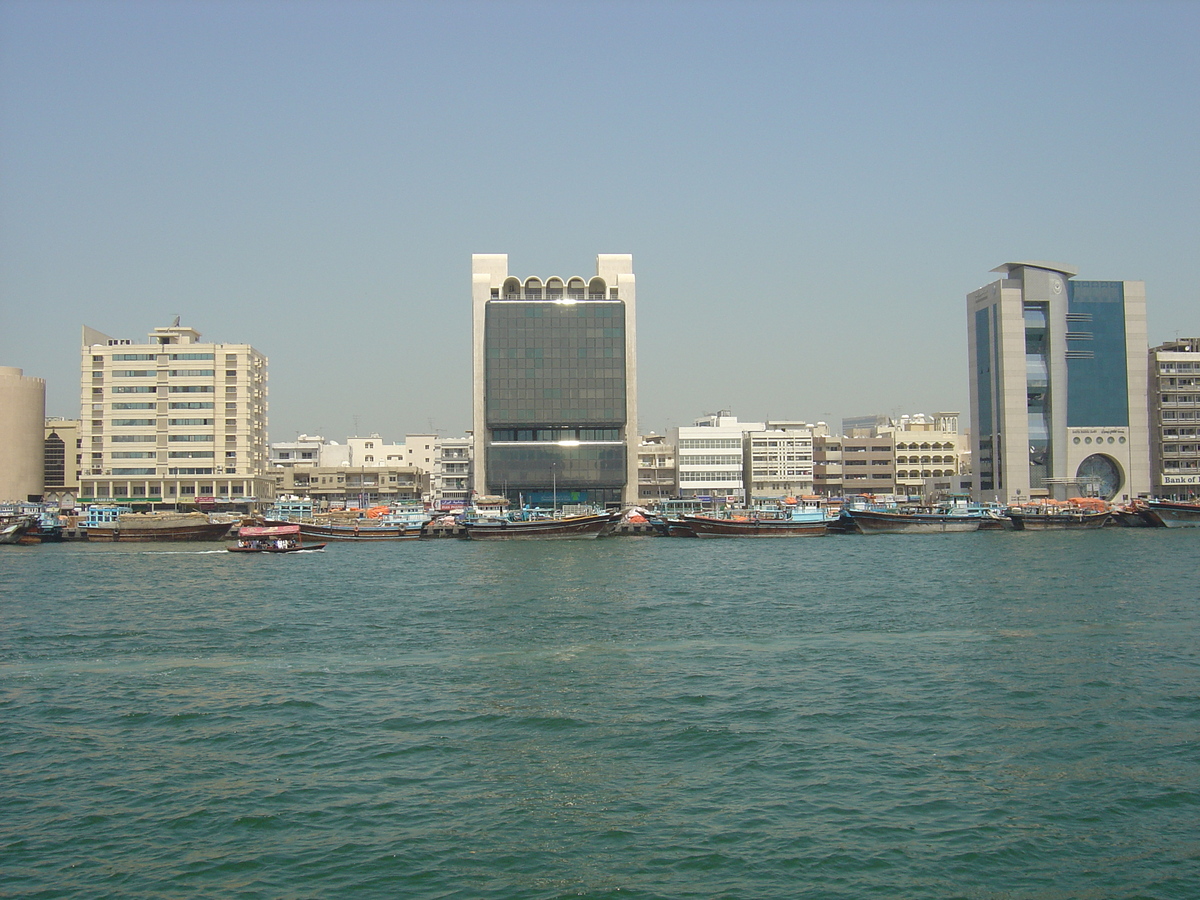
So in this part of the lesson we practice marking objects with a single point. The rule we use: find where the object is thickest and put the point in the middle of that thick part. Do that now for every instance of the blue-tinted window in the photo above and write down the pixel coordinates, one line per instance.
(1097, 386)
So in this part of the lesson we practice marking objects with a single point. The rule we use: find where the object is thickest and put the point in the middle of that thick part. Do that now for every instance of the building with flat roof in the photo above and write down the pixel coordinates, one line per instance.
(1058, 385)
(1175, 419)
(63, 458)
(172, 422)
(709, 457)
(555, 383)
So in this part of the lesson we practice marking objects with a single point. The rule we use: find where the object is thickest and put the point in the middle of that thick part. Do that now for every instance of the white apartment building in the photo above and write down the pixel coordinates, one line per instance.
(1175, 419)
(450, 481)
(709, 457)
(172, 421)
(778, 461)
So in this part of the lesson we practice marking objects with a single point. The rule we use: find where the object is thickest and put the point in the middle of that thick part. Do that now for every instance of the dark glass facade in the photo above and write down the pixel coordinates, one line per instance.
(1097, 379)
(54, 472)
(983, 413)
(555, 397)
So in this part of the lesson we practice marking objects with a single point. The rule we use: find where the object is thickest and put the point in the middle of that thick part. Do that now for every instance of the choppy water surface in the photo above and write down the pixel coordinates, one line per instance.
(978, 716)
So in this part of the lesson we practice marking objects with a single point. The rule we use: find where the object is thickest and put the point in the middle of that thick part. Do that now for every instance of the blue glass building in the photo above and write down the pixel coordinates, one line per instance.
(1058, 385)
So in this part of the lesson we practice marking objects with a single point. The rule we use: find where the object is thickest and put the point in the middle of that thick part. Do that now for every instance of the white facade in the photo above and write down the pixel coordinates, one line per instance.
(778, 461)
(450, 481)
(1175, 418)
(709, 456)
(172, 420)
(22, 434)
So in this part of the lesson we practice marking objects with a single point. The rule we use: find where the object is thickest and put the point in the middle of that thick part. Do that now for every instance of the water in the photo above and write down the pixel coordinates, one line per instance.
(975, 716)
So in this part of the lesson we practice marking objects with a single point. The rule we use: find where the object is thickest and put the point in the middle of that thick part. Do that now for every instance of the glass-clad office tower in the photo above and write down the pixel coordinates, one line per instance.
(555, 386)
(1058, 391)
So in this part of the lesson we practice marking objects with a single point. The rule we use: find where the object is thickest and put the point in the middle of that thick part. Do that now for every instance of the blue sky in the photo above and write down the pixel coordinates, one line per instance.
(809, 190)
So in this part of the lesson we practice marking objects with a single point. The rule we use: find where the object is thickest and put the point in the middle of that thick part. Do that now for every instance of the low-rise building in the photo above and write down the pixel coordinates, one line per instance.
(928, 451)
(450, 480)
(709, 457)
(778, 461)
(63, 455)
(352, 487)
(827, 462)
(1175, 419)
(656, 469)
(869, 465)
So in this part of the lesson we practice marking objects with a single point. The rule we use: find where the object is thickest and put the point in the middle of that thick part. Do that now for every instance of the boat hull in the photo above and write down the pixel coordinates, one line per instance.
(1058, 521)
(574, 528)
(1175, 515)
(360, 532)
(874, 522)
(296, 549)
(204, 532)
(706, 527)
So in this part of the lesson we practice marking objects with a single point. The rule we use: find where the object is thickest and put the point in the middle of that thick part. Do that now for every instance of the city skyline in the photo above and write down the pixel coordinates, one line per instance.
(809, 189)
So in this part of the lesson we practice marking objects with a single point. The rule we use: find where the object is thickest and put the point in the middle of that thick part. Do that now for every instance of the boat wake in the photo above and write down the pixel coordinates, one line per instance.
(180, 552)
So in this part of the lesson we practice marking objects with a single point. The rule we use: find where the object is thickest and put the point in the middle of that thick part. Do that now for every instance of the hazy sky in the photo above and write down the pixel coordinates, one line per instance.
(809, 190)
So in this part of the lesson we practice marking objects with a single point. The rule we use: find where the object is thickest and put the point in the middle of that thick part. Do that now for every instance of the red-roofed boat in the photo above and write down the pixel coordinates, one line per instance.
(271, 539)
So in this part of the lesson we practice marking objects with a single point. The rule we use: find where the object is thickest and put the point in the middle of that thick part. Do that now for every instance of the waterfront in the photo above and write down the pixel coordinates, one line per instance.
(980, 715)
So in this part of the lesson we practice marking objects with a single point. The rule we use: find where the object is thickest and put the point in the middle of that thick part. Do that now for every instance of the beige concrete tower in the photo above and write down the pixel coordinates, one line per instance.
(22, 432)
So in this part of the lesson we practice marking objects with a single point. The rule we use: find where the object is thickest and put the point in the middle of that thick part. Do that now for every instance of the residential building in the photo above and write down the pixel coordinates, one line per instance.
(869, 464)
(656, 469)
(555, 383)
(777, 462)
(709, 457)
(1058, 385)
(307, 451)
(450, 480)
(828, 478)
(352, 487)
(63, 454)
(1175, 419)
(929, 453)
(173, 421)
(22, 433)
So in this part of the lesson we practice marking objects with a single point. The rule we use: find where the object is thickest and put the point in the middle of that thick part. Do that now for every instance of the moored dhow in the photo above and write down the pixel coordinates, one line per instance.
(787, 521)
(895, 521)
(1050, 518)
(525, 526)
(379, 523)
(164, 526)
(1174, 513)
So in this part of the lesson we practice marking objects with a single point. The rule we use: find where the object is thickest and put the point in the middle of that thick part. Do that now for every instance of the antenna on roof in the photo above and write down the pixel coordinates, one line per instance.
(176, 322)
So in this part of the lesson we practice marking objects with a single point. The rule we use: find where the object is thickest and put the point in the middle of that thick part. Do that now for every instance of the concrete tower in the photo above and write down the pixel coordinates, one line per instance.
(22, 432)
